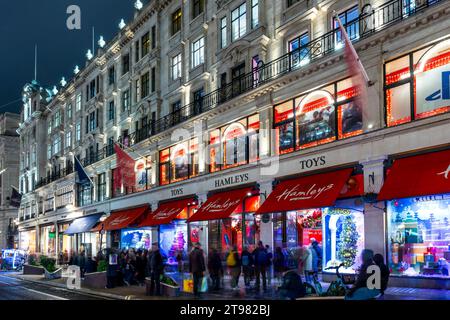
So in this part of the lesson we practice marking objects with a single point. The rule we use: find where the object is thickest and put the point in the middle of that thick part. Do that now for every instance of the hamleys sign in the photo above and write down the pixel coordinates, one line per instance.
(299, 192)
(219, 205)
(165, 213)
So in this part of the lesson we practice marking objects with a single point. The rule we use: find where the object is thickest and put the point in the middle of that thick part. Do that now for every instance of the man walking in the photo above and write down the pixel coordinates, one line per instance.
(156, 266)
(197, 267)
(260, 258)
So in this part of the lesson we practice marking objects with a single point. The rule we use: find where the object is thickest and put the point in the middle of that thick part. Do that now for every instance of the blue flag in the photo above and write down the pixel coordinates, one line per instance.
(81, 176)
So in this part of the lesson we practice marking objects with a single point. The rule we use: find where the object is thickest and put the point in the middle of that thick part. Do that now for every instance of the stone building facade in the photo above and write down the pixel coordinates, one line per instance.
(267, 86)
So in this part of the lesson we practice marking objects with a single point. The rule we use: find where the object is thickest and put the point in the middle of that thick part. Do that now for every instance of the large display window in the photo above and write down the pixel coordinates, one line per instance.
(65, 244)
(419, 236)
(235, 144)
(136, 238)
(417, 85)
(28, 241)
(48, 241)
(173, 239)
(318, 117)
(242, 229)
(179, 162)
(339, 230)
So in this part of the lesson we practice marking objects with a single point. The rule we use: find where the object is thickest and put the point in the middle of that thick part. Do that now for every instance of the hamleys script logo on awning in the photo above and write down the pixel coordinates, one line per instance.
(119, 220)
(297, 194)
(165, 213)
(445, 173)
(218, 206)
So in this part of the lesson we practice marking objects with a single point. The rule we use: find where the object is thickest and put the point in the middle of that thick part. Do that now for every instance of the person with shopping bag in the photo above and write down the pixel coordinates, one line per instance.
(197, 267)
(234, 265)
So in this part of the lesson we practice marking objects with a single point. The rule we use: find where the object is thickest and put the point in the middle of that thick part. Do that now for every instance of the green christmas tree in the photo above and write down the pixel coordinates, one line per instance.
(347, 246)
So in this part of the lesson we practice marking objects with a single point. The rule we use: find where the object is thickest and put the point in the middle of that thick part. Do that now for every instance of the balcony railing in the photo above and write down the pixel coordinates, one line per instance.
(369, 22)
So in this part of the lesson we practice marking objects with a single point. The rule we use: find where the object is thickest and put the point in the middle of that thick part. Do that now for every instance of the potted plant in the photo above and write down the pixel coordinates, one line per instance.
(32, 267)
(169, 287)
(50, 270)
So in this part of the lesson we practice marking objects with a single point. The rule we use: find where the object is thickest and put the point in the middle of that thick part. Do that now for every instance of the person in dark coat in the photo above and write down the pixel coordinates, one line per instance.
(81, 262)
(197, 267)
(278, 263)
(260, 258)
(141, 263)
(379, 261)
(156, 266)
(247, 265)
(360, 290)
(292, 286)
(215, 269)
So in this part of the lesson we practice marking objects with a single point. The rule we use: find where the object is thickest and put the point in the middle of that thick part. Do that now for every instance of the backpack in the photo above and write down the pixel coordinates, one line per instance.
(245, 260)
(231, 260)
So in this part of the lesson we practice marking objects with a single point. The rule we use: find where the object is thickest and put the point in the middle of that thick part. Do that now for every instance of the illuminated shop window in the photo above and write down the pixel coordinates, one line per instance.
(417, 85)
(338, 231)
(319, 117)
(179, 162)
(234, 145)
(419, 236)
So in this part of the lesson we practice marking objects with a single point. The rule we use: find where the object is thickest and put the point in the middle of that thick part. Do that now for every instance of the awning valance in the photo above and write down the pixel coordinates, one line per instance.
(422, 175)
(315, 191)
(124, 218)
(83, 224)
(220, 205)
(166, 212)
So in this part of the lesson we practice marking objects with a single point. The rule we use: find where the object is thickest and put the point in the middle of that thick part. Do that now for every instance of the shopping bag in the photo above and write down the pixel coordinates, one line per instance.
(188, 284)
(204, 286)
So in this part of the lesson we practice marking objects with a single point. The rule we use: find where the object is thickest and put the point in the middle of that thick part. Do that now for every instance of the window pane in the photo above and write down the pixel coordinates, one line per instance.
(398, 105)
(285, 138)
(397, 70)
(315, 119)
(284, 112)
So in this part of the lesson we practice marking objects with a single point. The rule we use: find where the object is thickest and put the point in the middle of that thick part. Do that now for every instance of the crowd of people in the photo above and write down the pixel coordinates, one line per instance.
(290, 268)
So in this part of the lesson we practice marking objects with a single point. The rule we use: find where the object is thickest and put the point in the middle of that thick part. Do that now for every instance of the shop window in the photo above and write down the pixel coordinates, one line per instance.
(418, 236)
(173, 238)
(349, 111)
(417, 85)
(234, 145)
(179, 162)
(142, 171)
(338, 231)
(138, 239)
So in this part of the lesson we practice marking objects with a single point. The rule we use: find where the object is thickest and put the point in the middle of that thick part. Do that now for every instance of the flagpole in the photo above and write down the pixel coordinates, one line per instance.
(352, 48)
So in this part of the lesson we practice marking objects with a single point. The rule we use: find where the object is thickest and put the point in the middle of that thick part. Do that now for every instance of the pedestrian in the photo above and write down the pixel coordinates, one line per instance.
(82, 263)
(359, 290)
(156, 265)
(140, 267)
(308, 264)
(247, 265)
(317, 255)
(197, 267)
(269, 265)
(384, 271)
(130, 271)
(302, 255)
(215, 269)
(260, 259)
(112, 269)
(278, 264)
(234, 266)
(179, 259)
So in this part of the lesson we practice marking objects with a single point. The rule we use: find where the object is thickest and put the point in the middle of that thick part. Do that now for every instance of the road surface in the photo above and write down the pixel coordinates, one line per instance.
(17, 289)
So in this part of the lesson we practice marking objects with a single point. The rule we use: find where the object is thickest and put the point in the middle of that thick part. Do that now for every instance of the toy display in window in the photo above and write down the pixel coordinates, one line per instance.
(351, 118)
(317, 124)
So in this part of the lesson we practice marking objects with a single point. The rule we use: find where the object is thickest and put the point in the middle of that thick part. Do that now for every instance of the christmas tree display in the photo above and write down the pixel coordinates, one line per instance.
(347, 246)
(177, 245)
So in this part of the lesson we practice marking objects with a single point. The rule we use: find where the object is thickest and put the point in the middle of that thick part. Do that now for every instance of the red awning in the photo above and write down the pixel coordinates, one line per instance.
(124, 218)
(220, 205)
(316, 191)
(166, 212)
(422, 175)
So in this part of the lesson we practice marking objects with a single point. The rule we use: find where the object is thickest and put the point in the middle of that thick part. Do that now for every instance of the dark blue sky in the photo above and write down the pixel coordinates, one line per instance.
(26, 22)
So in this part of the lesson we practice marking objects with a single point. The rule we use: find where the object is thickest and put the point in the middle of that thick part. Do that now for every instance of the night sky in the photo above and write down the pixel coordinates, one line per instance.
(25, 23)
